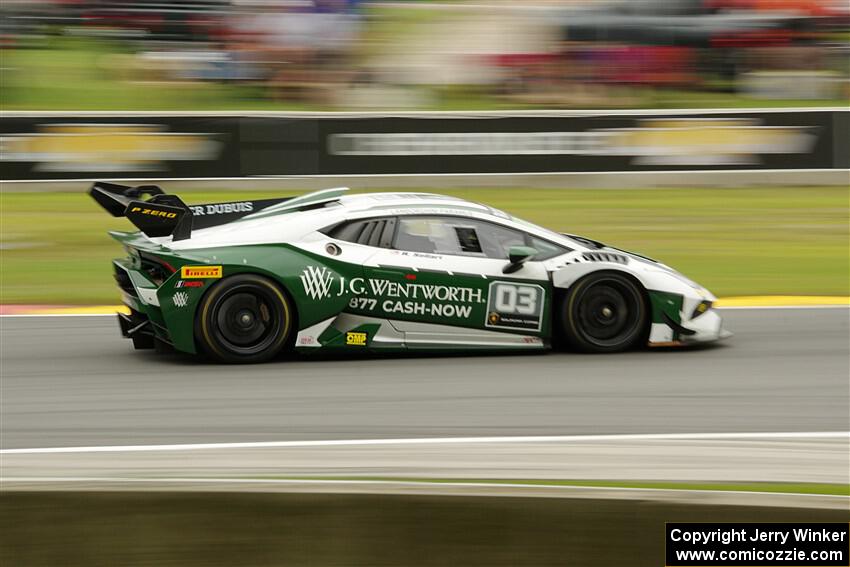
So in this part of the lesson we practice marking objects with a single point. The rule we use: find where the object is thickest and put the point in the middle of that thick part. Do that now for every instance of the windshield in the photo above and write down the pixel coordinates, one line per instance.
(559, 236)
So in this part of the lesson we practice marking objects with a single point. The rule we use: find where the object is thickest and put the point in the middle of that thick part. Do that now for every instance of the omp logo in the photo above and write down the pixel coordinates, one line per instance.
(180, 299)
(196, 272)
(317, 281)
(355, 339)
(153, 212)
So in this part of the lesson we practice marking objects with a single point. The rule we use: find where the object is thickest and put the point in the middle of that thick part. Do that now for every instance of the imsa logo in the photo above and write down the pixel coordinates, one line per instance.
(355, 339)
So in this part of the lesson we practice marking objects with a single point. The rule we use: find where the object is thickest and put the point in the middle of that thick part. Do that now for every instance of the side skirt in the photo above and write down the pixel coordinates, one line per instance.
(357, 332)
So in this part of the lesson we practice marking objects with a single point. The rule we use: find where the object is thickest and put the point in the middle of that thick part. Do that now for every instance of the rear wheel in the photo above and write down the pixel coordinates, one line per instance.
(604, 312)
(244, 319)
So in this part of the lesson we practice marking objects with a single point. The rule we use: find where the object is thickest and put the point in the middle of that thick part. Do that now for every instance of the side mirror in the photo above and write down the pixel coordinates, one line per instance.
(517, 256)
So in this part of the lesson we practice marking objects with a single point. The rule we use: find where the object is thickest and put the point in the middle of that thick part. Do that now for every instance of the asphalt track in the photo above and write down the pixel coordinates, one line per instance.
(72, 381)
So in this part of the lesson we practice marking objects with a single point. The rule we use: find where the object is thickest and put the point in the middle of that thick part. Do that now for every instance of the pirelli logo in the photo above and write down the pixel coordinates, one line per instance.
(199, 272)
(355, 339)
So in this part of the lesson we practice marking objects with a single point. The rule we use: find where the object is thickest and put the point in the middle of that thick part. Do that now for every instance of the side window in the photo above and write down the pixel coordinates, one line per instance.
(456, 236)
(546, 249)
(498, 240)
(426, 234)
(369, 232)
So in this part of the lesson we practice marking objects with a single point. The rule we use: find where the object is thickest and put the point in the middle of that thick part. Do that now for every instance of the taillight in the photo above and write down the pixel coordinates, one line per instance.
(158, 269)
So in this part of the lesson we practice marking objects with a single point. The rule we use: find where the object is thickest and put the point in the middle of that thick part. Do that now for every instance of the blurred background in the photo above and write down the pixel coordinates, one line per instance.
(420, 54)
(713, 135)
(586, 92)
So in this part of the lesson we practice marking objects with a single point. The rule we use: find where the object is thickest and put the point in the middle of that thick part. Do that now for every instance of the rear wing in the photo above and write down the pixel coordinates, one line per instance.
(161, 214)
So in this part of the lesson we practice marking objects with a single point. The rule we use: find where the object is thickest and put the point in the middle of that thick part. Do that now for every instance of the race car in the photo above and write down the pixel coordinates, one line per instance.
(245, 281)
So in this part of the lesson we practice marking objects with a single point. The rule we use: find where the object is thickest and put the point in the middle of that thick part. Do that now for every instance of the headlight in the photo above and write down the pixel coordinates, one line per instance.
(703, 307)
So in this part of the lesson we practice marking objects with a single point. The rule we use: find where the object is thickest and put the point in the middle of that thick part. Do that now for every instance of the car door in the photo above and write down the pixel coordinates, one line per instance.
(441, 282)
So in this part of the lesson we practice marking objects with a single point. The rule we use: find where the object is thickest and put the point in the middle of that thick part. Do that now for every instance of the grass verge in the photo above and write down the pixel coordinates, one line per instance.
(221, 529)
(735, 241)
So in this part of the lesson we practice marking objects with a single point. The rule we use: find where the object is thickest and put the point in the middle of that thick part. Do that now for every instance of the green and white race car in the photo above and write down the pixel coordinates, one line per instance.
(244, 281)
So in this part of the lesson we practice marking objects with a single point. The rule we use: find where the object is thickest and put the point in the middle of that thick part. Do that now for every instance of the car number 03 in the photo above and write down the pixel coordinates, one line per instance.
(521, 300)
(515, 306)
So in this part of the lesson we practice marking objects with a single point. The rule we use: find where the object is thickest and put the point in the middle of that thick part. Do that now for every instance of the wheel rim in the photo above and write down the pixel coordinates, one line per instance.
(609, 312)
(247, 319)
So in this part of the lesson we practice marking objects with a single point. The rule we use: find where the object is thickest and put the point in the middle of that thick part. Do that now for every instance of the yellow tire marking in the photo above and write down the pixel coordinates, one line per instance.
(573, 294)
(208, 302)
(207, 340)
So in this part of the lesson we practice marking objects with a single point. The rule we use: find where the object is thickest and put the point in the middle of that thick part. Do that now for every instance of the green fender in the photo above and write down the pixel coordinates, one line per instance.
(280, 263)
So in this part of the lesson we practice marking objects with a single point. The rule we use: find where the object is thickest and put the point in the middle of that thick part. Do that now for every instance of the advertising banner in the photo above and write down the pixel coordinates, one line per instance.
(34, 147)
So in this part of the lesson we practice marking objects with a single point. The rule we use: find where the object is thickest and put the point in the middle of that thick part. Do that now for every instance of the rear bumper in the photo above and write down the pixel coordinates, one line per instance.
(134, 324)
(144, 325)
(138, 328)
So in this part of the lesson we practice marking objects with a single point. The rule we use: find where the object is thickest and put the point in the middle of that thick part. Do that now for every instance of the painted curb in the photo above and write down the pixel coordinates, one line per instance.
(62, 309)
(783, 301)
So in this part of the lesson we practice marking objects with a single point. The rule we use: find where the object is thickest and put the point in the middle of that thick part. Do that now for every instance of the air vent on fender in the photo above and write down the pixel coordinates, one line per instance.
(605, 257)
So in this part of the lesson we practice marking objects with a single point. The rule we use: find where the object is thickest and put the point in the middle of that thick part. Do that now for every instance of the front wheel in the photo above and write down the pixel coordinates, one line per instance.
(603, 312)
(244, 319)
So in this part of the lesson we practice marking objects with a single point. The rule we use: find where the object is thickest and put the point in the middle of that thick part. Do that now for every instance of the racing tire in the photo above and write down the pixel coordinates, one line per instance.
(244, 319)
(604, 312)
